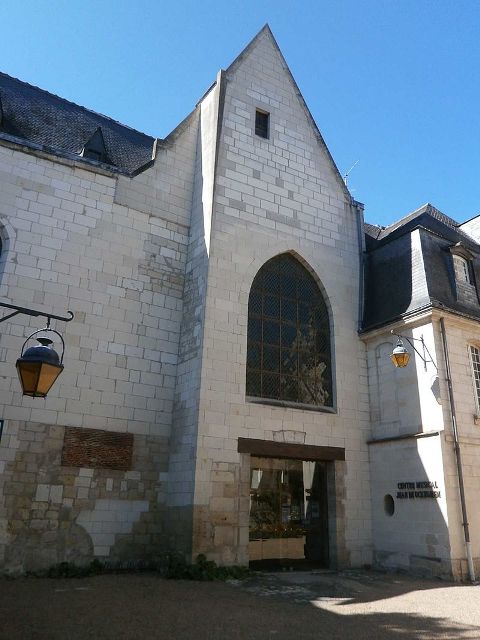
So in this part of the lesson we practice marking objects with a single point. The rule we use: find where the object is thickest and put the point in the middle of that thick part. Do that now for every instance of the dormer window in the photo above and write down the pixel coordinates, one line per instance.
(462, 259)
(95, 148)
(461, 268)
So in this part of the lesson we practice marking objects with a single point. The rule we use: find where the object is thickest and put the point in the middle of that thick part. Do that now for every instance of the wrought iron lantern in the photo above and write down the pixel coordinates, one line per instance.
(40, 365)
(400, 355)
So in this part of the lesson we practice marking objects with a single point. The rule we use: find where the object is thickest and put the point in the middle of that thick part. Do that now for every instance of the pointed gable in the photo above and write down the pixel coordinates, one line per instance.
(263, 61)
(95, 148)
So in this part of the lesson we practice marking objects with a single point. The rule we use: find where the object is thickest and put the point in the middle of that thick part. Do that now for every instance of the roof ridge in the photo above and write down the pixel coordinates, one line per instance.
(426, 208)
(75, 104)
(248, 46)
(411, 214)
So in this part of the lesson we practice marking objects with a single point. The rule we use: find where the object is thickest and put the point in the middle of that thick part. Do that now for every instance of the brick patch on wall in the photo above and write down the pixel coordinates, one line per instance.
(96, 448)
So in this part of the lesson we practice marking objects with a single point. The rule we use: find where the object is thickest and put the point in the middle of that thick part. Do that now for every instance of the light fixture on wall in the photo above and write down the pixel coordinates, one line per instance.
(400, 356)
(40, 365)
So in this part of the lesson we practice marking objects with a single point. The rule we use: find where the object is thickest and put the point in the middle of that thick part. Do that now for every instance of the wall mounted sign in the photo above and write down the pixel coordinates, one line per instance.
(419, 489)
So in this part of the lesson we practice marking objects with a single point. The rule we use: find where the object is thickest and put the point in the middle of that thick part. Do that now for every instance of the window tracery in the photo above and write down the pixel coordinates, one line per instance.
(288, 354)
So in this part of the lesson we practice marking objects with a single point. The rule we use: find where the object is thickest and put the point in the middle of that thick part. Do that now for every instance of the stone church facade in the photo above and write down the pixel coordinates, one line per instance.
(227, 386)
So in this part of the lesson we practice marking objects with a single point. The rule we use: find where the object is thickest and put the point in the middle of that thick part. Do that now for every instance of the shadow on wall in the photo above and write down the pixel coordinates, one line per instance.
(409, 513)
(183, 441)
(410, 530)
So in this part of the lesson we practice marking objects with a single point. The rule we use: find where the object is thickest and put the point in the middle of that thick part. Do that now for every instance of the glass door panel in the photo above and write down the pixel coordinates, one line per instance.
(288, 518)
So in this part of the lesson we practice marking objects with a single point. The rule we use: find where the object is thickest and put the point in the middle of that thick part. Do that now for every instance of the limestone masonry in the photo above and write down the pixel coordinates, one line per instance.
(228, 388)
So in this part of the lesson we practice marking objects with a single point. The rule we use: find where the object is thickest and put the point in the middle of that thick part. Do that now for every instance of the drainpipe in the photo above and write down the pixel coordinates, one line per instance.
(358, 206)
(458, 458)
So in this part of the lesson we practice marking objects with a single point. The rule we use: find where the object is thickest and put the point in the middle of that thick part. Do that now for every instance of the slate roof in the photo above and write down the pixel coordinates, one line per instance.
(40, 117)
(403, 276)
(428, 209)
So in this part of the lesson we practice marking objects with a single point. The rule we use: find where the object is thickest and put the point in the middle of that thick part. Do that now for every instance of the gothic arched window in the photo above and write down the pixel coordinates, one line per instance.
(288, 342)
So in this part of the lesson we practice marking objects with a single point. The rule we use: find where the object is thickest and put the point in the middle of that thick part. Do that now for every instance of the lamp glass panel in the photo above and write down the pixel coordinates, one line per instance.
(37, 378)
(400, 359)
(28, 372)
(48, 375)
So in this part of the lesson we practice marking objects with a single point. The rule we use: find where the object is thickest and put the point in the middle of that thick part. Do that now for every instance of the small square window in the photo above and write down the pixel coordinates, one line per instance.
(261, 123)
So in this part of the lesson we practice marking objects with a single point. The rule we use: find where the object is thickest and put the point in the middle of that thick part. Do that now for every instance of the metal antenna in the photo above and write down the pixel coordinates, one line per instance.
(345, 177)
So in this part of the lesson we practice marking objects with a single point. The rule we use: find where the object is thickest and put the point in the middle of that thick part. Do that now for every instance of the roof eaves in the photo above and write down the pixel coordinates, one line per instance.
(436, 304)
(44, 150)
(400, 316)
(404, 230)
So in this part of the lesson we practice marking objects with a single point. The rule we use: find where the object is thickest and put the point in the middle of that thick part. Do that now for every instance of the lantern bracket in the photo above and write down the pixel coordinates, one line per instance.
(425, 350)
(32, 312)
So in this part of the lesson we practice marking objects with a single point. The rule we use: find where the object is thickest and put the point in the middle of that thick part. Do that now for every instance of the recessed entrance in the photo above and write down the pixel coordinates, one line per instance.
(288, 512)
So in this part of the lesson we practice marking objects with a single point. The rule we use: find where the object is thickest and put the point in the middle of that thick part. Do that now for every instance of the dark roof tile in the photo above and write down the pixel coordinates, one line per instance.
(428, 209)
(43, 118)
(403, 277)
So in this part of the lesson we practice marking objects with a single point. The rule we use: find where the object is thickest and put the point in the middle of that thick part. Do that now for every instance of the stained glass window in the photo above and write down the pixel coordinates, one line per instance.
(288, 356)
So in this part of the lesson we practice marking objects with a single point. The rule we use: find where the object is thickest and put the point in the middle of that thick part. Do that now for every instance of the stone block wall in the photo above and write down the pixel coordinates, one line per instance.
(415, 537)
(183, 443)
(281, 194)
(78, 237)
(461, 333)
(404, 400)
(425, 537)
(119, 270)
(53, 513)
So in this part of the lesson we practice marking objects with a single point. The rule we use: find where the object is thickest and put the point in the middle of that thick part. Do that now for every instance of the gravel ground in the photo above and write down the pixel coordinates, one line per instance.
(349, 605)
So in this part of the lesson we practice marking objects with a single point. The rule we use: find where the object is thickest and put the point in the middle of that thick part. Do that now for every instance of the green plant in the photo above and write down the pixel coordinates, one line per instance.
(277, 530)
(70, 570)
(203, 569)
(169, 565)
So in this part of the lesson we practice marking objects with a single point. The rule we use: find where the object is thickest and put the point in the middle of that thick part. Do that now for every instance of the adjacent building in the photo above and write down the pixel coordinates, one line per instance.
(228, 388)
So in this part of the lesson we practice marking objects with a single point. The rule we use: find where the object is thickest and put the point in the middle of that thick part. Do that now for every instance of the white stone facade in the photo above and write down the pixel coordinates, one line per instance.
(157, 268)
(72, 239)
(424, 534)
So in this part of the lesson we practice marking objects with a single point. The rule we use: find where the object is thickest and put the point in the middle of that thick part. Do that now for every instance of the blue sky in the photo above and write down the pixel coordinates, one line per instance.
(393, 84)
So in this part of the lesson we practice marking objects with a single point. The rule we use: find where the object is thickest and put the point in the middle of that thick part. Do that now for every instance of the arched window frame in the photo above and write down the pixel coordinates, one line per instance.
(329, 405)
